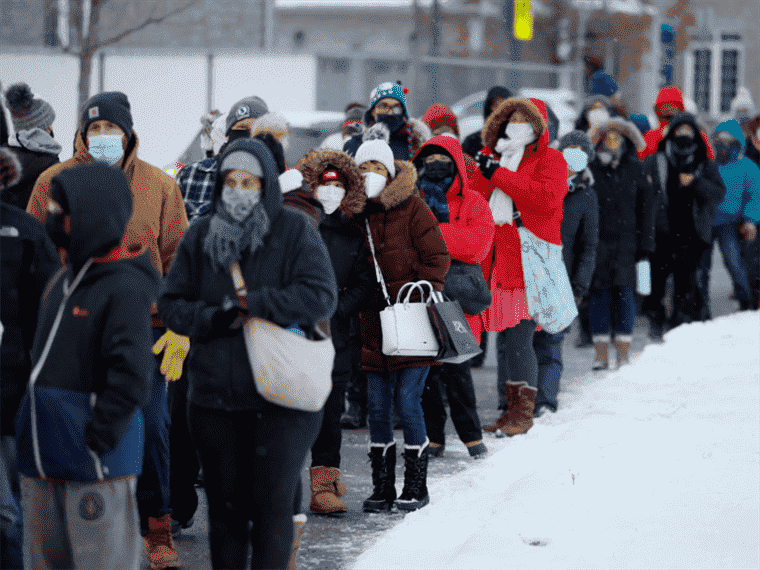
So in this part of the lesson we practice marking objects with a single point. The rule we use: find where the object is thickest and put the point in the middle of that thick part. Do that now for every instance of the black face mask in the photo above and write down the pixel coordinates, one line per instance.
(681, 152)
(437, 170)
(393, 122)
(54, 226)
(726, 152)
(236, 134)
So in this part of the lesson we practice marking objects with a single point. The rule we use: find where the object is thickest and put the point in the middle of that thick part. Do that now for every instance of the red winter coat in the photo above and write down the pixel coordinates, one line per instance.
(470, 229)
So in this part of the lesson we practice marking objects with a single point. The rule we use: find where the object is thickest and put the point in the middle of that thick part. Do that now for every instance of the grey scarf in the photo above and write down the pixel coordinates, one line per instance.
(227, 238)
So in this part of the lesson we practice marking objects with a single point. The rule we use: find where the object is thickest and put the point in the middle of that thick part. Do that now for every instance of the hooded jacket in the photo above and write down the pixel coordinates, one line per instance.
(469, 232)
(667, 95)
(409, 246)
(580, 232)
(102, 345)
(158, 220)
(742, 180)
(289, 280)
(537, 188)
(37, 151)
(472, 143)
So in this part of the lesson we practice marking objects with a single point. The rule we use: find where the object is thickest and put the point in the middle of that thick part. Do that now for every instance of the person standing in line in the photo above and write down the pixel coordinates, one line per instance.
(472, 143)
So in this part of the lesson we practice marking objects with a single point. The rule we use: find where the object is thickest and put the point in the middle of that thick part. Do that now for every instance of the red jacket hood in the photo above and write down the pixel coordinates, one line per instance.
(449, 144)
(668, 95)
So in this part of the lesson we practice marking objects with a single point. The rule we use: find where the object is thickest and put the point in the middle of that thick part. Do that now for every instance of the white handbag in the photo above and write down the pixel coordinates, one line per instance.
(405, 325)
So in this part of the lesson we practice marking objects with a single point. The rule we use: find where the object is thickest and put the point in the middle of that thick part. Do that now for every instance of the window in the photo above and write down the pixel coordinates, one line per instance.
(729, 78)
(714, 71)
(702, 79)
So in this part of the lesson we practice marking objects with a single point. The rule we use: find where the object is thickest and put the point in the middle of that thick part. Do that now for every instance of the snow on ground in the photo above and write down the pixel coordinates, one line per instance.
(655, 465)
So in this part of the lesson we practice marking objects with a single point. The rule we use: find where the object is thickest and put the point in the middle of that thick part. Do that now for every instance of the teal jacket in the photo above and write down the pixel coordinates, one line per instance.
(742, 180)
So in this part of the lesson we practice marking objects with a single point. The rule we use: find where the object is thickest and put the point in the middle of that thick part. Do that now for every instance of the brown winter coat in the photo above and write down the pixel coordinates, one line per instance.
(409, 247)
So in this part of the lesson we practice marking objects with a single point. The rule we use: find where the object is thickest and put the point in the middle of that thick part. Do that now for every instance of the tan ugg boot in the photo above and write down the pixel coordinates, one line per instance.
(521, 416)
(159, 545)
(298, 527)
(621, 347)
(513, 390)
(601, 360)
(326, 487)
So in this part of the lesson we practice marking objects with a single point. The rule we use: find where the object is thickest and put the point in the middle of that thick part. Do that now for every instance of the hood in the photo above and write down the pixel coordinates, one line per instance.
(733, 128)
(420, 133)
(685, 119)
(271, 195)
(315, 162)
(446, 145)
(625, 128)
(743, 100)
(38, 140)
(537, 116)
(401, 187)
(493, 93)
(100, 205)
(668, 95)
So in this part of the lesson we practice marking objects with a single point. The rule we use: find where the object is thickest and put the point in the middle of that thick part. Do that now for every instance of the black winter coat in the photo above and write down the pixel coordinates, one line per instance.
(27, 261)
(33, 163)
(580, 232)
(626, 220)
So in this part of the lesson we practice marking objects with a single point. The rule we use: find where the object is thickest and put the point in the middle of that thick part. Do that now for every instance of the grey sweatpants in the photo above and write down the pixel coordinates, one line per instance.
(69, 524)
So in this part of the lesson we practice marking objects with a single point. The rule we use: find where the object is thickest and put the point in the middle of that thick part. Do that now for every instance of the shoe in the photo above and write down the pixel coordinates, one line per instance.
(178, 526)
(621, 349)
(435, 450)
(414, 496)
(326, 487)
(521, 416)
(159, 544)
(542, 410)
(476, 449)
(513, 390)
(298, 526)
(601, 361)
(354, 418)
(383, 460)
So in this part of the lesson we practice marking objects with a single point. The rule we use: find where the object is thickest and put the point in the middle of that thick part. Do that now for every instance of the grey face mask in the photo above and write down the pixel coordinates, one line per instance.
(239, 203)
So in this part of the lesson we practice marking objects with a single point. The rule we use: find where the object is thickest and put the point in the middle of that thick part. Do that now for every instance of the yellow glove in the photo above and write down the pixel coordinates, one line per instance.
(175, 348)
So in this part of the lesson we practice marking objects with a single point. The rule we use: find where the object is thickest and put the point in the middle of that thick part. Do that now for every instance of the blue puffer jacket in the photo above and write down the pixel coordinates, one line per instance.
(742, 180)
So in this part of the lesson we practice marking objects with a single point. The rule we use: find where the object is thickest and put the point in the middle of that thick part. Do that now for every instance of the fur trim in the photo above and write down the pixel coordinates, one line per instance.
(316, 161)
(272, 123)
(378, 131)
(421, 134)
(384, 446)
(625, 128)
(500, 115)
(401, 187)
(10, 168)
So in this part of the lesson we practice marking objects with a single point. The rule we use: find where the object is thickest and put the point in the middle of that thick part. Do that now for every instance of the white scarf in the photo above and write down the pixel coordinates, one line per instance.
(513, 148)
(501, 207)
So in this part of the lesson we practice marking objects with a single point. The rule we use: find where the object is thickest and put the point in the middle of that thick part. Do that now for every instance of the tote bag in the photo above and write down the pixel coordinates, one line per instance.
(288, 369)
(454, 335)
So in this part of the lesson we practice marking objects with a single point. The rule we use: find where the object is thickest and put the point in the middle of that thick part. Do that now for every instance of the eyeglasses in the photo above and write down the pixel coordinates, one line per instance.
(389, 108)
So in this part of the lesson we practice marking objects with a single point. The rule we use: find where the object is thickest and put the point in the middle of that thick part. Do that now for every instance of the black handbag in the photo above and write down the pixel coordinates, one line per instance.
(455, 339)
(465, 283)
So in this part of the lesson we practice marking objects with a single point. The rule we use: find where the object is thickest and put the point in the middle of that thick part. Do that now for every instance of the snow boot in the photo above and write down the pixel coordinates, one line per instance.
(513, 391)
(415, 494)
(159, 545)
(476, 449)
(435, 450)
(383, 460)
(299, 522)
(521, 418)
(326, 487)
(622, 343)
(601, 360)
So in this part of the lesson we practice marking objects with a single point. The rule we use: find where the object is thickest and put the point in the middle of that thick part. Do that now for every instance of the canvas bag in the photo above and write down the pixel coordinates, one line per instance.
(454, 335)
(288, 369)
(405, 325)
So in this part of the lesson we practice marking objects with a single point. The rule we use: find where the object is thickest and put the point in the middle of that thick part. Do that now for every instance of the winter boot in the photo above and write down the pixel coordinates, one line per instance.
(621, 347)
(159, 545)
(521, 416)
(513, 390)
(383, 460)
(326, 487)
(299, 522)
(601, 361)
(415, 494)
(354, 418)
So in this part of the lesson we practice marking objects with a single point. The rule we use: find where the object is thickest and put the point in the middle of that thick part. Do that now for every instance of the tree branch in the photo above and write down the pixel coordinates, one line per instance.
(146, 23)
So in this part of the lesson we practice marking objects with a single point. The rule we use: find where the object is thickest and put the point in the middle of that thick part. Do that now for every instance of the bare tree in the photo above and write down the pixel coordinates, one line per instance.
(85, 35)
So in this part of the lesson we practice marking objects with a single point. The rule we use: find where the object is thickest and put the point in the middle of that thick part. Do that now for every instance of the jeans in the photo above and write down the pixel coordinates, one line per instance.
(730, 244)
(252, 465)
(516, 359)
(409, 384)
(456, 379)
(601, 310)
(548, 349)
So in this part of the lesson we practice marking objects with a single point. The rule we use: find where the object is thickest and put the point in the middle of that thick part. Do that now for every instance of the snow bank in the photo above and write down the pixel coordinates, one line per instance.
(653, 466)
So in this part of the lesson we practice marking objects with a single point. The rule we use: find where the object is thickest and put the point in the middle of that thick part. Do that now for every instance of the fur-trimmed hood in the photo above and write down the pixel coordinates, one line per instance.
(403, 186)
(535, 109)
(420, 134)
(625, 128)
(316, 161)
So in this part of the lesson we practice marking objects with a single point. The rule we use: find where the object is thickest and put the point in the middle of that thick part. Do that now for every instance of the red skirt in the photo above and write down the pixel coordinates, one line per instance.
(509, 307)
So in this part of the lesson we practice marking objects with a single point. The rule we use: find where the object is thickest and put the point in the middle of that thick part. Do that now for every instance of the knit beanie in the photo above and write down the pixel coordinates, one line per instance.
(388, 90)
(26, 111)
(379, 151)
(246, 108)
(109, 106)
(241, 160)
(353, 115)
(580, 139)
(438, 115)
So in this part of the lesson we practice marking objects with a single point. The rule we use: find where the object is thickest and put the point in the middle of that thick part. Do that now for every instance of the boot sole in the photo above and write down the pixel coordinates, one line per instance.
(377, 507)
(412, 506)
(333, 514)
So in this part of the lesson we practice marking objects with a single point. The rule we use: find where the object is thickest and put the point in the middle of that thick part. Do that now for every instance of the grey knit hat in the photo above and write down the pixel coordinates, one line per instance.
(242, 160)
(247, 108)
(578, 138)
(26, 111)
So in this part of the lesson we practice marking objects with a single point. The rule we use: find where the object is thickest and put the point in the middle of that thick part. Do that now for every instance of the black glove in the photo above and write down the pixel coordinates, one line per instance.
(228, 316)
(642, 255)
(487, 164)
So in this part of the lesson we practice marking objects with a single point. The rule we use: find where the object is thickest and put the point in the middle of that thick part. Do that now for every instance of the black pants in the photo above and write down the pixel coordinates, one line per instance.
(456, 379)
(684, 264)
(251, 466)
(184, 467)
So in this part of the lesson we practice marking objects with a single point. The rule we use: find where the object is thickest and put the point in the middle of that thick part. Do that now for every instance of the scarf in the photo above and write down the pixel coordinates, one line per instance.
(512, 150)
(434, 194)
(227, 238)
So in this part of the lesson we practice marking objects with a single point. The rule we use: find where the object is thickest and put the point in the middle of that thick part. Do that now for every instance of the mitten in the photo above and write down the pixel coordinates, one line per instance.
(487, 164)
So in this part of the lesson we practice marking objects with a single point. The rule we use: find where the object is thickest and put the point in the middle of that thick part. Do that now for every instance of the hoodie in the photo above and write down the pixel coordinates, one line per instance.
(97, 373)
(37, 152)
(742, 180)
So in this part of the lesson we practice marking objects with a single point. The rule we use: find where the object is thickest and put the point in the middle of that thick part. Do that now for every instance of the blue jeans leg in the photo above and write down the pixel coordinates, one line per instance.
(626, 313)
(548, 349)
(729, 242)
(409, 384)
(599, 312)
(379, 408)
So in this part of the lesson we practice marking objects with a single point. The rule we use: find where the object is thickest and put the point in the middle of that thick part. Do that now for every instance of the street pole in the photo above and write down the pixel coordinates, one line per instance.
(583, 16)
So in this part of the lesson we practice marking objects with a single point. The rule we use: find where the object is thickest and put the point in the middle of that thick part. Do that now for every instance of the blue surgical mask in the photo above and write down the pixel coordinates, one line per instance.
(105, 148)
(576, 159)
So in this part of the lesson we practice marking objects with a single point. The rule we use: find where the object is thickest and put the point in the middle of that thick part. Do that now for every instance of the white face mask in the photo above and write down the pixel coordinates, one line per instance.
(597, 117)
(520, 132)
(105, 148)
(374, 184)
(239, 203)
(757, 133)
(331, 197)
(576, 159)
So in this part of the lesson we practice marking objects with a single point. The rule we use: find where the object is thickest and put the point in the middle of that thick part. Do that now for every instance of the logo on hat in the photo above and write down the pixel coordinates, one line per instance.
(330, 175)
(93, 113)
(243, 111)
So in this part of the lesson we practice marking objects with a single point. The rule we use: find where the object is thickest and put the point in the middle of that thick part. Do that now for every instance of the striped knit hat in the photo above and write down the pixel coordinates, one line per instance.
(26, 111)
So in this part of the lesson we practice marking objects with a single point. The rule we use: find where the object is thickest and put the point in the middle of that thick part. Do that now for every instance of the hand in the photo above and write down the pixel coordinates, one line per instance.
(685, 178)
(175, 348)
(748, 231)
(228, 316)
(486, 163)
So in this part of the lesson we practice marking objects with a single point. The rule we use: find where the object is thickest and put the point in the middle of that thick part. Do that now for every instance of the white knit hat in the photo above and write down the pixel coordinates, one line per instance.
(379, 151)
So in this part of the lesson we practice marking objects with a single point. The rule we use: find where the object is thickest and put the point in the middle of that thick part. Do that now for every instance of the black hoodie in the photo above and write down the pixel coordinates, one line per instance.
(472, 143)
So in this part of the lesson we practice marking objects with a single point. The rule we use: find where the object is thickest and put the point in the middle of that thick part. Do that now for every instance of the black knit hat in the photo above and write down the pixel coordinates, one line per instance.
(26, 111)
(578, 138)
(109, 106)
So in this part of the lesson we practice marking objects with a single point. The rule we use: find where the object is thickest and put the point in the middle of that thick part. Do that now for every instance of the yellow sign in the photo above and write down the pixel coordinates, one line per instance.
(523, 20)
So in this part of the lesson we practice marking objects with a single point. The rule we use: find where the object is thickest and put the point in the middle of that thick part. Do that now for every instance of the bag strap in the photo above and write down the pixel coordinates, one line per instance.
(378, 273)
(237, 280)
(516, 217)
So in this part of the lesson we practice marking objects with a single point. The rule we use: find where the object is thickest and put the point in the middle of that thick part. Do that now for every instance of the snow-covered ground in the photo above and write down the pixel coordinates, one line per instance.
(655, 465)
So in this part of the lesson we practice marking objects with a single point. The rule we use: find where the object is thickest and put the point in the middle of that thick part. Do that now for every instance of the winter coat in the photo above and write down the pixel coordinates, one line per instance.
(102, 345)
(626, 209)
(470, 229)
(701, 196)
(580, 232)
(27, 261)
(404, 143)
(37, 152)
(345, 240)
(159, 219)
(289, 280)
(537, 188)
(410, 247)
(742, 180)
